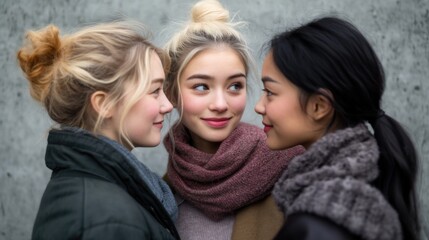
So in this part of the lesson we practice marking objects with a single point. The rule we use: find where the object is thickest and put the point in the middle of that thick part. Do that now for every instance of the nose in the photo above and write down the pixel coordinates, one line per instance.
(260, 106)
(219, 102)
(165, 104)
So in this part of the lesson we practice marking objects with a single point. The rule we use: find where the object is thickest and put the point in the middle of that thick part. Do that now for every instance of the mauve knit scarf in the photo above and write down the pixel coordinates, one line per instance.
(242, 171)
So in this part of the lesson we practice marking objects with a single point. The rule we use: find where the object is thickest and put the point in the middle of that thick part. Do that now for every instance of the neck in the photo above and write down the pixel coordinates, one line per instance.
(328, 126)
(204, 145)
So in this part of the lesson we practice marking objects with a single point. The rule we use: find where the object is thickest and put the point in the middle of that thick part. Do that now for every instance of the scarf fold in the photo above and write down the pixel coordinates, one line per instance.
(242, 171)
(332, 179)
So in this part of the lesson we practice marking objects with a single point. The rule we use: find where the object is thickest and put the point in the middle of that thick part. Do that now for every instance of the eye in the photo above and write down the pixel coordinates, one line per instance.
(235, 87)
(200, 87)
(156, 92)
(267, 92)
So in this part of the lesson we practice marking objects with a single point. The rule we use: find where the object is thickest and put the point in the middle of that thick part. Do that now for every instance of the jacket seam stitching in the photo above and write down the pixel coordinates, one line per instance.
(83, 206)
(109, 223)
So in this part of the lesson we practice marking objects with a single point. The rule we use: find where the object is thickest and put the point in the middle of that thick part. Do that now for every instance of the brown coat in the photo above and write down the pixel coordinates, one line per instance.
(259, 221)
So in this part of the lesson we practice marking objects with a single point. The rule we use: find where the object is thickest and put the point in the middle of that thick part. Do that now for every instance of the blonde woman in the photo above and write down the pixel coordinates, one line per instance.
(103, 86)
(219, 167)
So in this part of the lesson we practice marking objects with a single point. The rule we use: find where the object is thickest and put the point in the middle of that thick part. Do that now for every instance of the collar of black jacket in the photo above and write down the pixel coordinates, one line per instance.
(76, 150)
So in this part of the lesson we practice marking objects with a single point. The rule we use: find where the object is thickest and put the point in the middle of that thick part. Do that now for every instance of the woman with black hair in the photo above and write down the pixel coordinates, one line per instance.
(323, 82)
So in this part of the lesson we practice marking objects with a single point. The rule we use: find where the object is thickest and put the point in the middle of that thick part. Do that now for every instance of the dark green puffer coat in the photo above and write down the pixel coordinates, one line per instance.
(94, 194)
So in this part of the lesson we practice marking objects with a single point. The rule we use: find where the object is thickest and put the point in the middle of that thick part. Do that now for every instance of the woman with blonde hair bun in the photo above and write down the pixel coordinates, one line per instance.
(220, 168)
(103, 86)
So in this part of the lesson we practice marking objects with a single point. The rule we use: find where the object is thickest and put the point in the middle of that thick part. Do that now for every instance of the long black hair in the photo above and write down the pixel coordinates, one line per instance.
(330, 53)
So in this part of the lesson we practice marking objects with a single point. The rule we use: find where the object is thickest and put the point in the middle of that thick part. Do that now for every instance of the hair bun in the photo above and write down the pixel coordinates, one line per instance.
(37, 58)
(209, 11)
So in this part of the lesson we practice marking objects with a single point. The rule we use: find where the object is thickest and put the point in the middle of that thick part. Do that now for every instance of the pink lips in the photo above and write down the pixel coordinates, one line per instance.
(267, 127)
(158, 124)
(216, 122)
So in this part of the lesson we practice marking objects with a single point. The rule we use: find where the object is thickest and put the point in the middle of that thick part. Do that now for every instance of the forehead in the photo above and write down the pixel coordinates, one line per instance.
(271, 74)
(215, 60)
(269, 67)
(217, 51)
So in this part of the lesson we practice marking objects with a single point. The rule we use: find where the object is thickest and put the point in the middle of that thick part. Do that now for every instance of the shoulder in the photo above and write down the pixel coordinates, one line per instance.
(87, 193)
(312, 227)
(264, 208)
(262, 218)
(78, 205)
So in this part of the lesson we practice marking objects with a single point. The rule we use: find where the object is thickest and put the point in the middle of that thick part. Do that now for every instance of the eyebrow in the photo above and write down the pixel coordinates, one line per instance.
(158, 80)
(268, 79)
(207, 77)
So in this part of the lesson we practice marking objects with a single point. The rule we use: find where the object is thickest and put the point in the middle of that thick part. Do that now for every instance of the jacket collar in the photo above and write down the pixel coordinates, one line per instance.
(81, 151)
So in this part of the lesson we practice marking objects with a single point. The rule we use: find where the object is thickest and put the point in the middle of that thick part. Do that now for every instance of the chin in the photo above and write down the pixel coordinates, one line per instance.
(216, 138)
(274, 145)
(153, 144)
(147, 144)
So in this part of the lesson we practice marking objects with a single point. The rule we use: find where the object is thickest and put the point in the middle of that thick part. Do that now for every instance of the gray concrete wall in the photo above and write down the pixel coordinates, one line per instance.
(398, 29)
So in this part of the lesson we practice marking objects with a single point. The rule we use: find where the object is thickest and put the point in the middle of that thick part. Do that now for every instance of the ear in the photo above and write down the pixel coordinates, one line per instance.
(319, 107)
(98, 99)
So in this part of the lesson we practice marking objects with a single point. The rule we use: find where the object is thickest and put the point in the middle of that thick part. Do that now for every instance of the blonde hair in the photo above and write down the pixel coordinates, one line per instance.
(209, 26)
(64, 71)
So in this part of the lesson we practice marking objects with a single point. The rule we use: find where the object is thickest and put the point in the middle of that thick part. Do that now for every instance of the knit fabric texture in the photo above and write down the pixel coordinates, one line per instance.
(242, 171)
(331, 179)
(193, 224)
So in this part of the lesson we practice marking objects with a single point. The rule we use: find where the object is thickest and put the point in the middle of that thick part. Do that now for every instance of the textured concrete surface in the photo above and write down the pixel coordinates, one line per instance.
(398, 29)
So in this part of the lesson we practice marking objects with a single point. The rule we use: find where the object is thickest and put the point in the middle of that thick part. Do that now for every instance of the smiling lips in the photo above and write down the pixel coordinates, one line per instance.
(158, 124)
(267, 127)
(216, 122)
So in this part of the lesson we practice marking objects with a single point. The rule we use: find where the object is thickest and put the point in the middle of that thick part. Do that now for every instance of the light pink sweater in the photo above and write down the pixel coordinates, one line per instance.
(192, 224)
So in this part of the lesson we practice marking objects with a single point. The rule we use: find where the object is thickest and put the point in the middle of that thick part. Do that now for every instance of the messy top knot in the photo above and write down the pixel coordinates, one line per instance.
(38, 57)
(209, 11)
(209, 17)
(209, 27)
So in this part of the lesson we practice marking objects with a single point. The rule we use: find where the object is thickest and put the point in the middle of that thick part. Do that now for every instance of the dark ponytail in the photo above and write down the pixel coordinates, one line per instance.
(331, 54)
(398, 171)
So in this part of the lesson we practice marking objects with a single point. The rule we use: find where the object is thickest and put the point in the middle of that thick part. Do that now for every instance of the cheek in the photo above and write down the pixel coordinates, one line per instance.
(238, 104)
(151, 111)
(145, 109)
(192, 105)
(282, 109)
(272, 109)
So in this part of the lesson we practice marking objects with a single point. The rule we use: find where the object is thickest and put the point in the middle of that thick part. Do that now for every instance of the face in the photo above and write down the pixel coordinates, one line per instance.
(144, 121)
(285, 122)
(213, 91)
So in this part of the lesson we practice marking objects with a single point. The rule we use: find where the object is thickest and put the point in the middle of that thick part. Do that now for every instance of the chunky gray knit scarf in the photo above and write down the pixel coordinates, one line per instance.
(331, 179)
